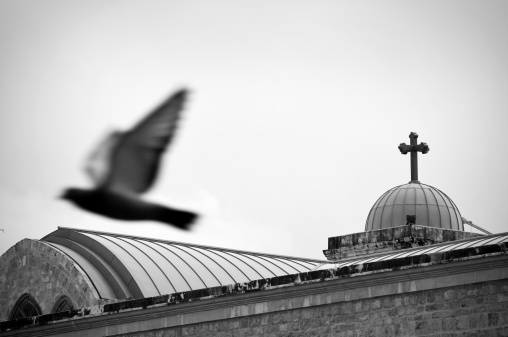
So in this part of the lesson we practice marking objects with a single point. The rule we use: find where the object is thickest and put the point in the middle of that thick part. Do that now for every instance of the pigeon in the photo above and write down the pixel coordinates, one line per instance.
(126, 164)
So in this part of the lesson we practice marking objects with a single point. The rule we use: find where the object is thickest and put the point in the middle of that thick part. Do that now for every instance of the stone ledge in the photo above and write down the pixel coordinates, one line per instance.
(389, 239)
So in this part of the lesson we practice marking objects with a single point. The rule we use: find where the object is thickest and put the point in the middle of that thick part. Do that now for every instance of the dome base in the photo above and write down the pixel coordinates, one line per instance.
(390, 239)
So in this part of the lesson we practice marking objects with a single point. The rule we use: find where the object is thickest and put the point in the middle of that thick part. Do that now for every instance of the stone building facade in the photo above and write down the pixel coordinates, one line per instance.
(435, 284)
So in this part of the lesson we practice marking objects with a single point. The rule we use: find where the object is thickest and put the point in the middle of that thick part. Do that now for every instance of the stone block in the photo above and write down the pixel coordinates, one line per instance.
(492, 319)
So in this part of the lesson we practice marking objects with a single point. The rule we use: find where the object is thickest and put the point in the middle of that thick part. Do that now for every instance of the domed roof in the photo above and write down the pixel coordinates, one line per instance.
(432, 208)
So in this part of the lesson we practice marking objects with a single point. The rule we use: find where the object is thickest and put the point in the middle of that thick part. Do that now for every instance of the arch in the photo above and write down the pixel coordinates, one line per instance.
(45, 272)
(64, 303)
(26, 306)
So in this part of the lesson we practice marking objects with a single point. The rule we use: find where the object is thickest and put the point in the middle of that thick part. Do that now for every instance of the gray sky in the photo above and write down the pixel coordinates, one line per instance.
(292, 128)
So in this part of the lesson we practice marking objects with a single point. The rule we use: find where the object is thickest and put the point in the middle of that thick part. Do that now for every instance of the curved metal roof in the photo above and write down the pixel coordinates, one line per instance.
(494, 239)
(432, 208)
(122, 266)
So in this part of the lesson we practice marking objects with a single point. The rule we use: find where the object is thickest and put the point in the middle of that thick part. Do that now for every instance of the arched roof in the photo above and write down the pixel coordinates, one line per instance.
(122, 266)
(432, 208)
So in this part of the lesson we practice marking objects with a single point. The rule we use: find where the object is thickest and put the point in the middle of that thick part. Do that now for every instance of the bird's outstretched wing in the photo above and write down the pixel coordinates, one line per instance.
(98, 165)
(136, 156)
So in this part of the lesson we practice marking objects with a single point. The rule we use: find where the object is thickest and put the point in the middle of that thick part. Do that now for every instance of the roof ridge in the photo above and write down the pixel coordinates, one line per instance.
(194, 245)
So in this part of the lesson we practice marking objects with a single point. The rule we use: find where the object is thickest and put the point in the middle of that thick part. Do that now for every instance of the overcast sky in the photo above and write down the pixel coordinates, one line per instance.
(291, 131)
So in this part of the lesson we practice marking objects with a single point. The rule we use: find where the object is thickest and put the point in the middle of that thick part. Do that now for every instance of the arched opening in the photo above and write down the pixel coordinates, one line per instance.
(26, 306)
(64, 303)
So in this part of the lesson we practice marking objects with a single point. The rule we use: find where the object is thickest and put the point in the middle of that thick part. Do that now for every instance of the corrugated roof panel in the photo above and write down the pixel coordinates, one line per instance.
(445, 249)
(90, 241)
(246, 270)
(367, 259)
(379, 258)
(152, 263)
(485, 241)
(348, 263)
(286, 265)
(264, 266)
(258, 268)
(136, 262)
(198, 269)
(245, 266)
(500, 239)
(299, 266)
(185, 271)
(310, 264)
(420, 251)
(119, 260)
(403, 255)
(438, 249)
(278, 267)
(178, 282)
(393, 256)
(222, 269)
(461, 245)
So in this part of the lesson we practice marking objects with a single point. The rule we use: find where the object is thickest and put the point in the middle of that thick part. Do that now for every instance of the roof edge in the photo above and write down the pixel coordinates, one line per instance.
(191, 245)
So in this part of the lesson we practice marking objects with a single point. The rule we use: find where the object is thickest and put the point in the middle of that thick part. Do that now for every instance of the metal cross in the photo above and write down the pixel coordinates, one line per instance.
(414, 149)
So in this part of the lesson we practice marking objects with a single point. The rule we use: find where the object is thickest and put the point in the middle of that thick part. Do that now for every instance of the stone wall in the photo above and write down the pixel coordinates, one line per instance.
(479, 309)
(455, 297)
(46, 274)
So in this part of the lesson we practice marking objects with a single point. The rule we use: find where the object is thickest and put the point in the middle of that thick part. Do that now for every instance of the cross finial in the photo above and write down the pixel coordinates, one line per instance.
(414, 149)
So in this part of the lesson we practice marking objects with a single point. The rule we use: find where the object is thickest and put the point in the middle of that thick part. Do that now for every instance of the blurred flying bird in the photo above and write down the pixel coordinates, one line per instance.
(125, 165)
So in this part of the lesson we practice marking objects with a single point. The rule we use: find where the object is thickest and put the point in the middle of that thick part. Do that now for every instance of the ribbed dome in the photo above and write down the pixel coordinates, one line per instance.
(432, 208)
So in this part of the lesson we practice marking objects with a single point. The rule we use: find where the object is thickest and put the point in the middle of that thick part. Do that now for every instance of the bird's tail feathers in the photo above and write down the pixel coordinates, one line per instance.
(178, 218)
